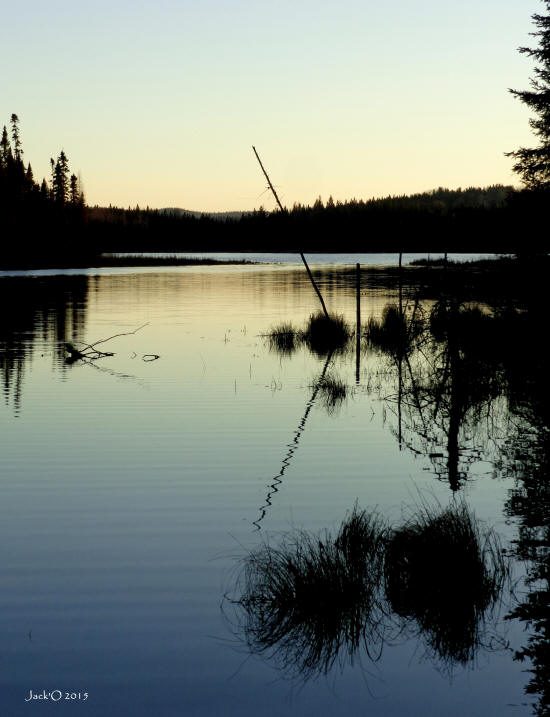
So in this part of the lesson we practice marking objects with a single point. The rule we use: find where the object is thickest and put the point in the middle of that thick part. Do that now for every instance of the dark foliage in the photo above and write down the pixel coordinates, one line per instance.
(533, 164)
(38, 222)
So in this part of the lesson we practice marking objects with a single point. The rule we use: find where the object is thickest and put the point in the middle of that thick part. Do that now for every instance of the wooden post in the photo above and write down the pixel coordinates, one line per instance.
(400, 285)
(358, 323)
(400, 356)
(310, 275)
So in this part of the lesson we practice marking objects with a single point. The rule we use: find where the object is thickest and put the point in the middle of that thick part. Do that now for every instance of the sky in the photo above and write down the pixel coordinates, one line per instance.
(159, 103)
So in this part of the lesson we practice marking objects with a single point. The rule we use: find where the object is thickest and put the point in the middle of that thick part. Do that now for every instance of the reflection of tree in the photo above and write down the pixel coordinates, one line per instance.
(316, 601)
(448, 378)
(48, 310)
(465, 384)
(527, 457)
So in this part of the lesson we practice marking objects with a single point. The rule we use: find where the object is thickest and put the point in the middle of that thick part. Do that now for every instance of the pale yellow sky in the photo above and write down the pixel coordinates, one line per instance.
(159, 103)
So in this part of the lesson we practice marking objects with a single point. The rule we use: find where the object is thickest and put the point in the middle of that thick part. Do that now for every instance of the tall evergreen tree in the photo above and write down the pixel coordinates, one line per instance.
(533, 164)
(17, 151)
(61, 186)
(52, 177)
(5, 149)
(74, 193)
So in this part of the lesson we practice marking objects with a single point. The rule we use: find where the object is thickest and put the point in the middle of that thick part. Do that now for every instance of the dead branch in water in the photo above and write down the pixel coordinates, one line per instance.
(91, 353)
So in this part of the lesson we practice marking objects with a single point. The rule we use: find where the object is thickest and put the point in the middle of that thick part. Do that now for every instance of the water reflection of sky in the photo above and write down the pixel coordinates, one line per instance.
(277, 259)
(129, 492)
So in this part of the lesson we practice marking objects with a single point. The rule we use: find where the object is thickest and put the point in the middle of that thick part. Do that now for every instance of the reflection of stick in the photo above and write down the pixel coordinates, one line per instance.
(110, 372)
(358, 323)
(293, 446)
(301, 253)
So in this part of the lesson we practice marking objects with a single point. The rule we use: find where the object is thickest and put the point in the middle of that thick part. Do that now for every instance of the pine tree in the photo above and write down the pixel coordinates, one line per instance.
(533, 164)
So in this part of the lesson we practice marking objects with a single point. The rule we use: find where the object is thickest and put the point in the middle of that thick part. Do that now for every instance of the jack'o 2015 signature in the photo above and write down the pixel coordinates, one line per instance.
(56, 696)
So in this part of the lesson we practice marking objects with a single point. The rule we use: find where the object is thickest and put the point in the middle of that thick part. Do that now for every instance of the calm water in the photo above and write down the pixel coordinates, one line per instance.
(134, 490)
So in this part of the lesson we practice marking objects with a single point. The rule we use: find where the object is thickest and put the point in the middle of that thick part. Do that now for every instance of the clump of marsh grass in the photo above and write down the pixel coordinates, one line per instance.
(320, 335)
(467, 324)
(446, 573)
(284, 339)
(394, 333)
(314, 600)
(333, 392)
(324, 335)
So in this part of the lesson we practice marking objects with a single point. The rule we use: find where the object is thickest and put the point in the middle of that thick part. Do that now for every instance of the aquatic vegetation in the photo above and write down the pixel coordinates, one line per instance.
(395, 332)
(333, 392)
(284, 339)
(314, 600)
(445, 573)
(324, 335)
(321, 335)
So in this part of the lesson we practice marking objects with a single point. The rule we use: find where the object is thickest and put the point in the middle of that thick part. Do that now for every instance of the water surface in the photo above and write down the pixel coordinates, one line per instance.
(133, 490)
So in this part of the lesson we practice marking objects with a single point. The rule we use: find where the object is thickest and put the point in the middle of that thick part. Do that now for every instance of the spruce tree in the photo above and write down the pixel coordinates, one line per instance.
(17, 151)
(533, 164)
(74, 193)
(5, 149)
(61, 179)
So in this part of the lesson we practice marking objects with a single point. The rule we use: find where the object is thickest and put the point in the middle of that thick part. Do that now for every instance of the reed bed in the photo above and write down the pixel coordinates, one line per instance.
(284, 339)
(333, 393)
(394, 333)
(445, 573)
(320, 335)
(315, 600)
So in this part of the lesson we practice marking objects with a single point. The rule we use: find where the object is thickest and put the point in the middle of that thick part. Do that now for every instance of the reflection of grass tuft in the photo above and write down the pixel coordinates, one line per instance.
(444, 572)
(312, 601)
(333, 392)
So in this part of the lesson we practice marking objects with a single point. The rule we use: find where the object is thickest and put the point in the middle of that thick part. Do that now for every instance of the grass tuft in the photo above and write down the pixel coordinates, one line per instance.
(324, 335)
(394, 333)
(283, 339)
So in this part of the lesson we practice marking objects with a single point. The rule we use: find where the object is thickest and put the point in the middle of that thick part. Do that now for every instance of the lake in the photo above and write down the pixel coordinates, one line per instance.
(178, 515)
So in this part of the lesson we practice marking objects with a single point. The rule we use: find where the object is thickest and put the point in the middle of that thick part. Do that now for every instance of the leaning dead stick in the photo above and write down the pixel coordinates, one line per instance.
(310, 275)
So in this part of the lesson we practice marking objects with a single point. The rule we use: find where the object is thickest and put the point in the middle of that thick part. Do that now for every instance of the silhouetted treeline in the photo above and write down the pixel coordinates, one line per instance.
(492, 219)
(48, 222)
(38, 220)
